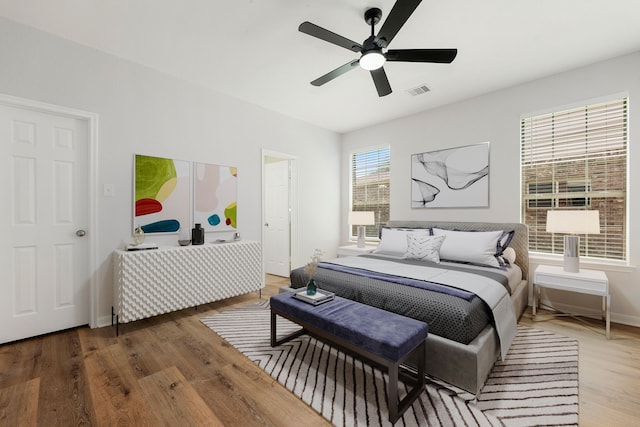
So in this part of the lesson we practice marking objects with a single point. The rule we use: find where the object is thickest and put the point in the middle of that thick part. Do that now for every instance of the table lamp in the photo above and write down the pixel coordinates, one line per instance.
(361, 218)
(573, 223)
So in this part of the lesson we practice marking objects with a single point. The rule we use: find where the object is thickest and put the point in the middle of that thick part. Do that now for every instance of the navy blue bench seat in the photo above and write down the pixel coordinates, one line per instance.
(379, 336)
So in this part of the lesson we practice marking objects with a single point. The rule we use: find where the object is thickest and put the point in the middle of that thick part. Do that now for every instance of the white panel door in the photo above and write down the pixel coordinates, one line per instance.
(277, 228)
(44, 256)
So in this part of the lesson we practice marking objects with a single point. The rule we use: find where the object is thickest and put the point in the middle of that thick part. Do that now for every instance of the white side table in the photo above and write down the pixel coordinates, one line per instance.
(351, 250)
(591, 282)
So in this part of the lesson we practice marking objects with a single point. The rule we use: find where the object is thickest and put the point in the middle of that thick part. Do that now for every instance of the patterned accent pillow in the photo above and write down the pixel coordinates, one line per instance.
(393, 241)
(424, 247)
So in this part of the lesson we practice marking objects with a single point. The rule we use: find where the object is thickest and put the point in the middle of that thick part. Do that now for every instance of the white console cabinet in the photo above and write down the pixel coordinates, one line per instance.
(152, 282)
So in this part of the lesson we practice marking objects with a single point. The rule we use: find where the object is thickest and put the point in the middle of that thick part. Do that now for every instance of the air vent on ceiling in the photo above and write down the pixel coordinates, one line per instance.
(418, 90)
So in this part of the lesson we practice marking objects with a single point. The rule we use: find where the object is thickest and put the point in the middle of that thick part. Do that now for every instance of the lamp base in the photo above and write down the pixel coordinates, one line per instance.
(572, 253)
(361, 236)
(572, 264)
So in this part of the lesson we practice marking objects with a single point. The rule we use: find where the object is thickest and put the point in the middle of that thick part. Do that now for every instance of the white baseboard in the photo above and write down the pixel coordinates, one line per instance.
(625, 319)
(104, 321)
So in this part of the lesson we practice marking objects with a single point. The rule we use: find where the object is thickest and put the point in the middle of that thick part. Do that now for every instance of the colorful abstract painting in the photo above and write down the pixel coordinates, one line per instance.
(173, 194)
(215, 193)
(451, 178)
(162, 194)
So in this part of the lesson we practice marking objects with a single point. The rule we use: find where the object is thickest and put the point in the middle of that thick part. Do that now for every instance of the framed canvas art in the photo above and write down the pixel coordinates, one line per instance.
(215, 196)
(162, 194)
(170, 195)
(451, 178)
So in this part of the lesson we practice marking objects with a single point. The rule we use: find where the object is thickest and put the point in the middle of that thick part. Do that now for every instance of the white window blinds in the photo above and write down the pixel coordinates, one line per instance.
(577, 159)
(370, 186)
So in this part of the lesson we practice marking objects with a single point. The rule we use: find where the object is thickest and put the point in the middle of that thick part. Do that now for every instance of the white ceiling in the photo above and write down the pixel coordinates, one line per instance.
(251, 49)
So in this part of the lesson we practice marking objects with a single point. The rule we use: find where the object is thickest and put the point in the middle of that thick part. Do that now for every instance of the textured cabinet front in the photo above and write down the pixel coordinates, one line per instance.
(148, 283)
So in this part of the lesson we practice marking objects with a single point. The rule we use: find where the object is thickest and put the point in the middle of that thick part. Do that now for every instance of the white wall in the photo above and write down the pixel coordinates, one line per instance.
(494, 117)
(146, 112)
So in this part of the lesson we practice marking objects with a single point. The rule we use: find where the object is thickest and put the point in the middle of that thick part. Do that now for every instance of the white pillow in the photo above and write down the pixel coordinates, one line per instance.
(424, 247)
(393, 241)
(477, 247)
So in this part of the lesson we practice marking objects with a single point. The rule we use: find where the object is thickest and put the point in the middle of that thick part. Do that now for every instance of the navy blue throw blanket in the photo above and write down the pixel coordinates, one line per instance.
(430, 286)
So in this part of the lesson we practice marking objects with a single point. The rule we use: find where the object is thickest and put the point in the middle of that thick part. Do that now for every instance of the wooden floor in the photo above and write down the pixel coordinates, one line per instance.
(172, 370)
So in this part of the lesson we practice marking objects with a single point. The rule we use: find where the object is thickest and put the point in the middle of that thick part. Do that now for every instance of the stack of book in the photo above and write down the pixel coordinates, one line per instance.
(318, 298)
(141, 247)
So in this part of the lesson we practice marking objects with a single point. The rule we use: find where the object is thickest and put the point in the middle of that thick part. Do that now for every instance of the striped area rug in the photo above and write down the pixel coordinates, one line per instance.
(537, 384)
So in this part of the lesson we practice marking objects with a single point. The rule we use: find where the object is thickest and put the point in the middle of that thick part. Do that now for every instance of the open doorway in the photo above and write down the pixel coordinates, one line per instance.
(278, 213)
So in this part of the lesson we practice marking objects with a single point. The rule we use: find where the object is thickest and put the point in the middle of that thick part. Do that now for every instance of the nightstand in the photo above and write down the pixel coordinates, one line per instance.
(351, 250)
(591, 282)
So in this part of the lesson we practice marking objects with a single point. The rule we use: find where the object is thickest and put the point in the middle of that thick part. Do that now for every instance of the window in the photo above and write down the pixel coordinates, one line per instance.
(577, 159)
(558, 187)
(370, 186)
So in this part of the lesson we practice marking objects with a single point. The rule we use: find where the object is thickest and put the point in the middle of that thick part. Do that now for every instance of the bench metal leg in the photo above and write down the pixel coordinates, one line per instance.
(392, 392)
(274, 341)
(397, 409)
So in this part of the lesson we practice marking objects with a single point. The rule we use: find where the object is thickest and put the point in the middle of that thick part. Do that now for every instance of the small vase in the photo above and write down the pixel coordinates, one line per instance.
(197, 235)
(138, 235)
(311, 287)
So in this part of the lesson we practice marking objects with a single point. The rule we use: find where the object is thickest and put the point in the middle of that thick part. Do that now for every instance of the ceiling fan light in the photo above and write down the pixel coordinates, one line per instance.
(372, 60)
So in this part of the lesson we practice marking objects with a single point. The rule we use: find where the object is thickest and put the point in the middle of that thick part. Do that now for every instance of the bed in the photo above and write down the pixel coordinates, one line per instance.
(471, 307)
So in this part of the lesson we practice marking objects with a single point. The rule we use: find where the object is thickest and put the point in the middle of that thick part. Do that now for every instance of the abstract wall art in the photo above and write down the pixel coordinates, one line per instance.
(215, 196)
(173, 194)
(162, 194)
(451, 178)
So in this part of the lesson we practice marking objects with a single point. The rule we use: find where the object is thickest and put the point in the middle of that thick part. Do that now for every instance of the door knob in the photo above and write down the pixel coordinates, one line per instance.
(81, 233)
(266, 224)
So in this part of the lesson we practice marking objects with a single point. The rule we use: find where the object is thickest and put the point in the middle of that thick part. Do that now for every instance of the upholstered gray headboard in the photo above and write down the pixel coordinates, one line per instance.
(520, 241)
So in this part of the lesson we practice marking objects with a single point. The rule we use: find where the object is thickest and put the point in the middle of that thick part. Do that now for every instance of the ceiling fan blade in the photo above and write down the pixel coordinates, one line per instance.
(335, 73)
(441, 56)
(381, 81)
(399, 14)
(328, 36)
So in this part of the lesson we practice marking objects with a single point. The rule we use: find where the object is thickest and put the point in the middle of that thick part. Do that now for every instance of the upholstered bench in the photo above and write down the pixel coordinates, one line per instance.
(382, 338)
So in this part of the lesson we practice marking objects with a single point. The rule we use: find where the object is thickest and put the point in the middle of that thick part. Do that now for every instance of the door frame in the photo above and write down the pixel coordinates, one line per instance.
(92, 161)
(293, 219)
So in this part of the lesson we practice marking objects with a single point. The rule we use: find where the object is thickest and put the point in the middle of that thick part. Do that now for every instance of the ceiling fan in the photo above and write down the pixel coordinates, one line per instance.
(372, 49)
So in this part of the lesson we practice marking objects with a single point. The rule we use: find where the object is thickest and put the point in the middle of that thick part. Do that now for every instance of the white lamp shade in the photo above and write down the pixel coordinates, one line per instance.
(361, 218)
(573, 222)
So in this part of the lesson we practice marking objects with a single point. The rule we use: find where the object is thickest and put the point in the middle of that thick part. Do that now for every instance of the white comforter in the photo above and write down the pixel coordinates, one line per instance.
(489, 290)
